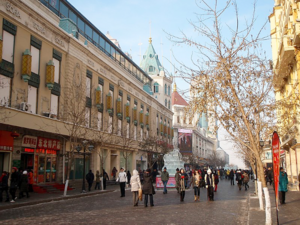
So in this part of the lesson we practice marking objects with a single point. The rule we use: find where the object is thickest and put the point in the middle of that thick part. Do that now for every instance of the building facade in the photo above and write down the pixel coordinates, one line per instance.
(192, 139)
(62, 82)
(285, 40)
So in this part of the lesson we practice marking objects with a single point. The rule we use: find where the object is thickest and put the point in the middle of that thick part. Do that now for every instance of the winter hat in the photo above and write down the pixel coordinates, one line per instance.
(209, 171)
(25, 172)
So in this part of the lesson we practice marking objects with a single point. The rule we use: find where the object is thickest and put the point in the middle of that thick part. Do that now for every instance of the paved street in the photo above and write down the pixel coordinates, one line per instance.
(229, 207)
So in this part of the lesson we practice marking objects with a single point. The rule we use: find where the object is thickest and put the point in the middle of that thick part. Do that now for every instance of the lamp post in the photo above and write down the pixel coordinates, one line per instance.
(78, 149)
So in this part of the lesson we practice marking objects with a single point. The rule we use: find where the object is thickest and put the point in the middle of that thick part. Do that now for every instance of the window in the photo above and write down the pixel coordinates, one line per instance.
(80, 24)
(95, 37)
(88, 87)
(35, 59)
(8, 46)
(73, 16)
(56, 70)
(102, 43)
(127, 130)
(109, 126)
(165, 89)
(88, 31)
(134, 132)
(141, 134)
(99, 122)
(119, 127)
(54, 105)
(4, 90)
(151, 68)
(87, 116)
(32, 97)
(107, 48)
(166, 102)
(178, 119)
(156, 85)
(169, 104)
(64, 11)
(169, 90)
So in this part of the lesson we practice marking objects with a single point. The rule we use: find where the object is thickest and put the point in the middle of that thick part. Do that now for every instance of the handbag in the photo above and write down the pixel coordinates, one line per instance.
(140, 195)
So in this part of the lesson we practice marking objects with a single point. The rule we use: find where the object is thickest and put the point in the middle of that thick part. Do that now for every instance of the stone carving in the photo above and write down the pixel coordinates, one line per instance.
(12, 9)
(77, 75)
(91, 63)
(39, 27)
(59, 41)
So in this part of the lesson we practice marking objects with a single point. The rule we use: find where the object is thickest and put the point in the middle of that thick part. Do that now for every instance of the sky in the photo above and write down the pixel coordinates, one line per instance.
(132, 22)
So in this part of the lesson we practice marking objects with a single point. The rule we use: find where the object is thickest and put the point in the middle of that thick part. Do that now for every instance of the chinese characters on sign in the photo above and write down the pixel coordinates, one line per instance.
(47, 143)
(29, 141)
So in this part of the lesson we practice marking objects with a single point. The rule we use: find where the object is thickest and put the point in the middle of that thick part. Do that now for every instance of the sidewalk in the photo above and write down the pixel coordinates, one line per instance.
(288, 213)
(37, 198)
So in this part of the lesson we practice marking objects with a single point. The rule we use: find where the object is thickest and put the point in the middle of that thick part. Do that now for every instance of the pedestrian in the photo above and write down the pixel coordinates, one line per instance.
(98, 179)
(196, 185)
(90, 179)
(154, 174)
(135, 184)
(148, 189)
(128, 177)
(30, 181)
(270, 175)
(14, 181)
(4, 186)
(239, 179)
(141, 174)
(182, 185)
(114, 172)
(283, 182)
(246, 180)
(210, 184)
(24, 185)
(177, 180)
(216, 181)
(231, 176)
(122, 179)
(165, 179)
(105, 177)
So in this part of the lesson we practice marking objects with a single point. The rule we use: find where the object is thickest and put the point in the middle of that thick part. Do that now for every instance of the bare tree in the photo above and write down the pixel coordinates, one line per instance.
(154, 149)
(231, 78)
(191, 159)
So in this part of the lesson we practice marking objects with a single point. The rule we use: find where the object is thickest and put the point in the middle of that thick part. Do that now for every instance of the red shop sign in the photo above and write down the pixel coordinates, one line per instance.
(6, 141)
(47, 143)
(29, 141)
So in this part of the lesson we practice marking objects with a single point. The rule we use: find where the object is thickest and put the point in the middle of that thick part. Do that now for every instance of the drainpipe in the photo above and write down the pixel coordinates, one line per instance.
(290, 153)
(64, 160)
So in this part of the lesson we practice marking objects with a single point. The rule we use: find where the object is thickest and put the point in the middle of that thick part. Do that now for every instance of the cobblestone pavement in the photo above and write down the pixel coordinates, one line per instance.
(230, 207)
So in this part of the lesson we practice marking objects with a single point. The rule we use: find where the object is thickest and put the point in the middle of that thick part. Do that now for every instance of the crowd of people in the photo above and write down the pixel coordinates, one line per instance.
(20, 181)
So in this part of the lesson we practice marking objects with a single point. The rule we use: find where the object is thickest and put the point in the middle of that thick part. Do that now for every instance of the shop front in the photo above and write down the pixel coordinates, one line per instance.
(39, 154)
(6, 149)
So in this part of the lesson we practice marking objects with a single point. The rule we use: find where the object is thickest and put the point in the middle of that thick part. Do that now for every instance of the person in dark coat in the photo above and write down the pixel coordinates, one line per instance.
(24, 185)
(231, 176)
(4, 186)
(14, 181)
(148, 188)
(210, 185)
(239, 179)
(105, 177)
(182, 185)
(90, 179)
(128, 177)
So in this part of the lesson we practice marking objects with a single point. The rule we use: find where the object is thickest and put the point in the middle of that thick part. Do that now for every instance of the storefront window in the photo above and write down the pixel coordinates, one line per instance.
(41, 169)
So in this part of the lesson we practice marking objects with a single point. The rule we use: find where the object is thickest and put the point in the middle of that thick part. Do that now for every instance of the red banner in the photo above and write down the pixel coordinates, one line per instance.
(276, 162)
(6, 141)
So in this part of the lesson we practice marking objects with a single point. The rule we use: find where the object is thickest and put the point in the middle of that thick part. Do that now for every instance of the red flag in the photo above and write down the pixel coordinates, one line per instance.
(276, 162)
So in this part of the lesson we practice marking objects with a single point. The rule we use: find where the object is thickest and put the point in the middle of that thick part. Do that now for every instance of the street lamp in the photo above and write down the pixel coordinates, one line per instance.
(78, 149)
(261, 143)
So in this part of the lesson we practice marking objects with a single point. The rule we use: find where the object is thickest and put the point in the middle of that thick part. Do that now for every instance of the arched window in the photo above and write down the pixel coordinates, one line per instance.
(156, 85)
(151, 68)
(169, 104)
(169, 90)
(165, 89)
(166, 102)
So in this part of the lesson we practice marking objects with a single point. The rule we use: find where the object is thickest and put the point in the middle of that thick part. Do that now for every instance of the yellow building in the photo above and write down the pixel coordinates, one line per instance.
(57, 69)
(285, 38)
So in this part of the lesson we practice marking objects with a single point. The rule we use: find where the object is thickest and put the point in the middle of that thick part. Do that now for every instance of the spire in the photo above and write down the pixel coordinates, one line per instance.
(175, 87)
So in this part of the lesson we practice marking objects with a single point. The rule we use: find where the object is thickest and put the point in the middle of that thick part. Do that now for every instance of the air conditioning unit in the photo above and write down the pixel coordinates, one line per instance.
(24, 106)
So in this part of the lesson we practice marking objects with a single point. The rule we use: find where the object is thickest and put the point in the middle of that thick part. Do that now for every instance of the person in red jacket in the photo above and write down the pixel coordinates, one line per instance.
(30, 181)
(216, 180)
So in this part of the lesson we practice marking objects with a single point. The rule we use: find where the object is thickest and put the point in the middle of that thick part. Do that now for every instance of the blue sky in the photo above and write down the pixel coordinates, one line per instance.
(129, 22)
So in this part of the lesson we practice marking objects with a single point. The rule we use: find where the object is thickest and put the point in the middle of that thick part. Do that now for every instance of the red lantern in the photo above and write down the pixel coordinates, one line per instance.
(14, 134)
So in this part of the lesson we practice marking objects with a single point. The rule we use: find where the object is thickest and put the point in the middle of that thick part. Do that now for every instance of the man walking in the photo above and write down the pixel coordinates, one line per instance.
(177, 179)
(122, 179)
(90, 179)
(165, 179)
(231, 176)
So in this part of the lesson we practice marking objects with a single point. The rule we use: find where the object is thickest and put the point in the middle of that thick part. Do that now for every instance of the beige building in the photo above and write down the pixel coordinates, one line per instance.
(62, 81)
(285, 30)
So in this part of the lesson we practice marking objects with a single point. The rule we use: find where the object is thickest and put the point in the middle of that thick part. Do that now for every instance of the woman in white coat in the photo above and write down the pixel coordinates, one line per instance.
(135, 186)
